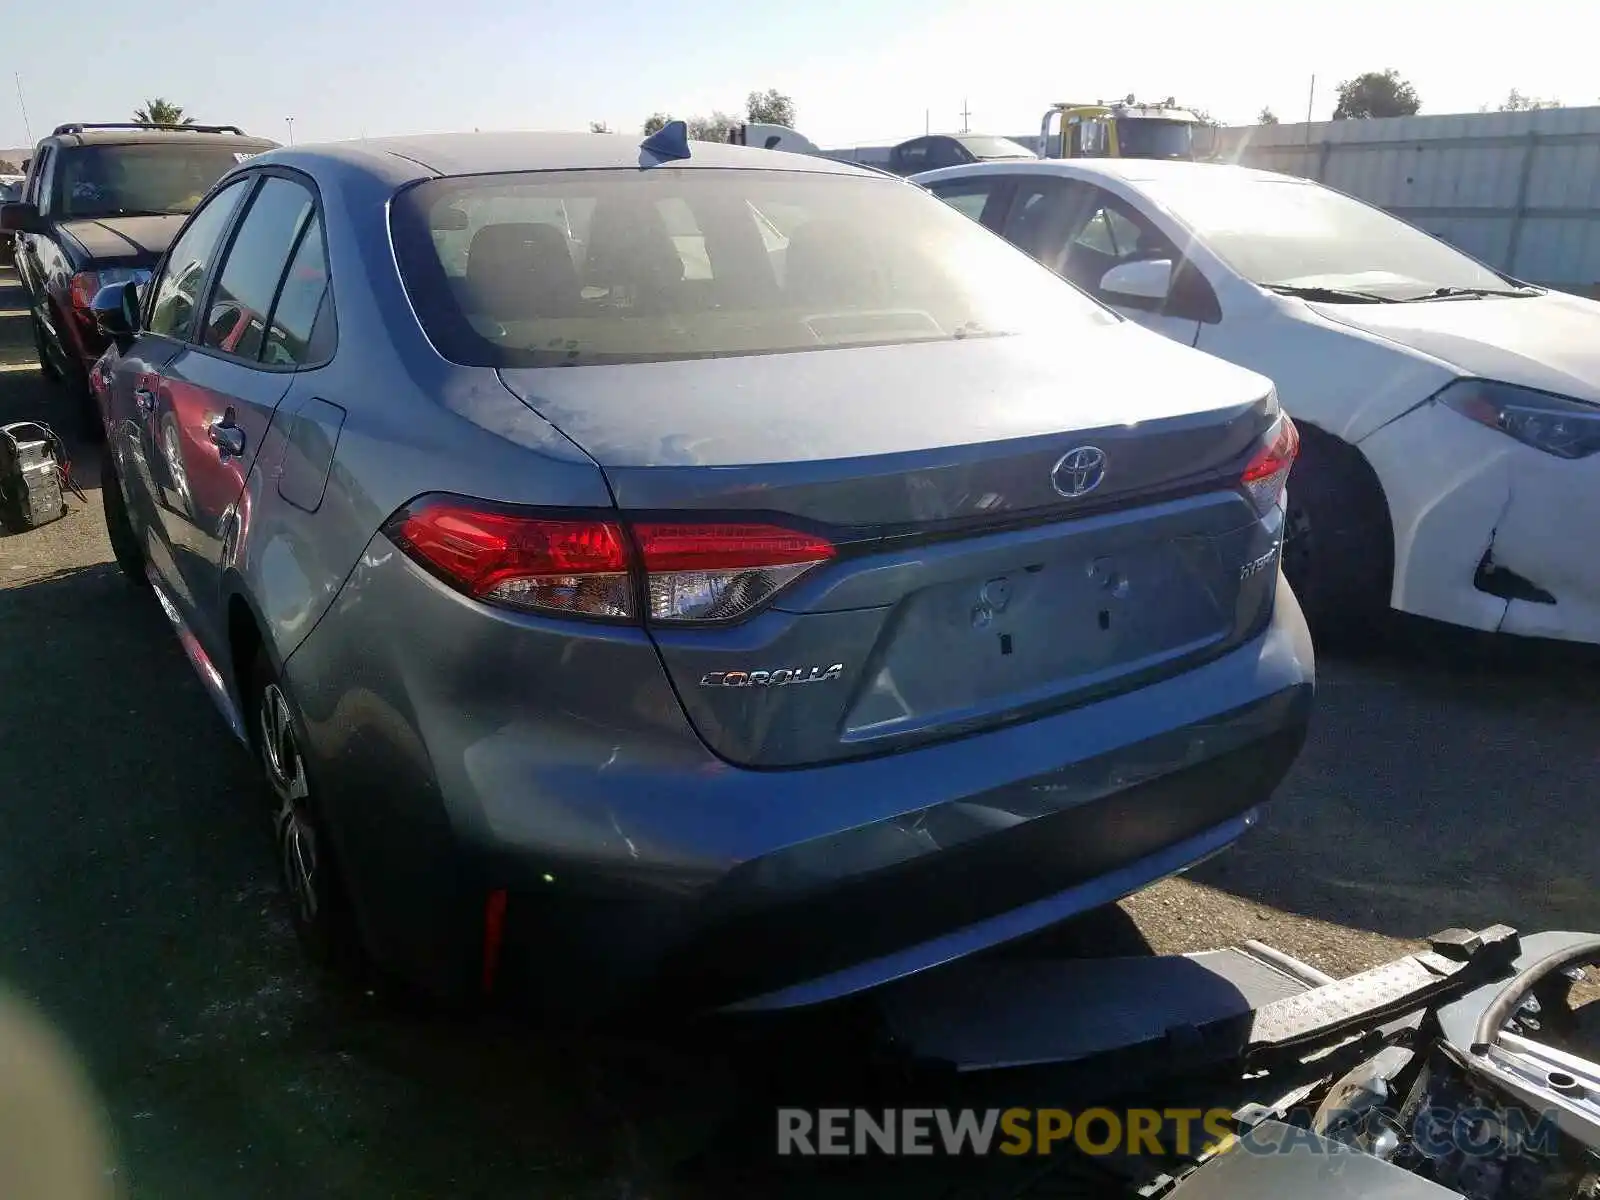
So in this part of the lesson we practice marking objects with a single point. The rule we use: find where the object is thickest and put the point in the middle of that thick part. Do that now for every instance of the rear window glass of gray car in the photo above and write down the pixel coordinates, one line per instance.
(151, 179)
(580, 267)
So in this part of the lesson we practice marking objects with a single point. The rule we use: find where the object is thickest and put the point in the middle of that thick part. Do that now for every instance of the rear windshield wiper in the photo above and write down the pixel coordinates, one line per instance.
(1329, 295)
(1458, 293)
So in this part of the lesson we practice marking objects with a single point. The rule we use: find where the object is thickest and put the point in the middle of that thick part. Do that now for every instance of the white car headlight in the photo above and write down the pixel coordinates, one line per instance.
(1557, 425)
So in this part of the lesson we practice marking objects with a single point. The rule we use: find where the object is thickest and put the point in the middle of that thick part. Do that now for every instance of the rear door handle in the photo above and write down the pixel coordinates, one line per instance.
(144, 400)
(227, 437)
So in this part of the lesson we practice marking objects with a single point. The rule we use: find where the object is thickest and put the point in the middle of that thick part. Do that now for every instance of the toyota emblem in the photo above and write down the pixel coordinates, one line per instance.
(1079, 471)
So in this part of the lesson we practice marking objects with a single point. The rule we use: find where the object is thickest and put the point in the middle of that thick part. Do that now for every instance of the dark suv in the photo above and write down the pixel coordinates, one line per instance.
(99, 206)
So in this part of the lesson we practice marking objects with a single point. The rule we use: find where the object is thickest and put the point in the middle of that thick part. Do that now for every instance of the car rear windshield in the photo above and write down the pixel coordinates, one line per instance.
(577, 267)
(153, 178)
(995, 147)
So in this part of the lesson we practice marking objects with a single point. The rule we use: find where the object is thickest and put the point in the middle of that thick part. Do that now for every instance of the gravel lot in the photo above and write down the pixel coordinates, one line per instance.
(1444, 785)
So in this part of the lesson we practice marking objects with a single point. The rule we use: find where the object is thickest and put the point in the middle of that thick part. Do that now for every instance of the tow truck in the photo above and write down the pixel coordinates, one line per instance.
(1123, 129)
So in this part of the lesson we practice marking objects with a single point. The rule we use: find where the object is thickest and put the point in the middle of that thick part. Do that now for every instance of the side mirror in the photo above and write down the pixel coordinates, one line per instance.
(1140, 284)
(116, 311)
(18, 217)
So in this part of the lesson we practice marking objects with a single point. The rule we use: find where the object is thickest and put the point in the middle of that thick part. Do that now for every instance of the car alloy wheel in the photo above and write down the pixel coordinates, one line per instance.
(297, 837)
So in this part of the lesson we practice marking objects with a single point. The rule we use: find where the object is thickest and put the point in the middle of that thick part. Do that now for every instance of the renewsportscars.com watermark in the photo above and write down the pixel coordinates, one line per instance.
(846, 1132)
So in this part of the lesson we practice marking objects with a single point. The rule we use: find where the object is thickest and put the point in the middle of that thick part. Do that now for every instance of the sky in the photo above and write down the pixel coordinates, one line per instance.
(867, 72)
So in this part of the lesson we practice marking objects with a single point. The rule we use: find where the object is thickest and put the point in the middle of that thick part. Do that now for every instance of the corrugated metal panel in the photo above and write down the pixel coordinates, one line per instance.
(1519, 190)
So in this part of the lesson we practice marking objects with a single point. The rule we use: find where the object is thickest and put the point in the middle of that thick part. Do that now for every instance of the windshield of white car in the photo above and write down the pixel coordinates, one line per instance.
(569, 268)
(139, 179)
(1289, 233)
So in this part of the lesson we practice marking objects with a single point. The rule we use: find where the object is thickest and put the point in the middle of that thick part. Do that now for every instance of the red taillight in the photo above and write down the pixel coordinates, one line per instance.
(581, 566)
(716, 572)
(1268, 472)
(576, 567)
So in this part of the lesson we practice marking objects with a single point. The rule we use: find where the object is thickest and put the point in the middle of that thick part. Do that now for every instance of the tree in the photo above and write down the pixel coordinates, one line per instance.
(7, 167)
(599, 127)
(1517, 102)
(1376, 94)
(713, 128)
(1266, 117)
(770, 107)
(655, 121)
(161, 112)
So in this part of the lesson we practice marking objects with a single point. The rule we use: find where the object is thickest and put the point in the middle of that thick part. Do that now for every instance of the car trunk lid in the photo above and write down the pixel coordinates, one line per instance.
(1012, 528)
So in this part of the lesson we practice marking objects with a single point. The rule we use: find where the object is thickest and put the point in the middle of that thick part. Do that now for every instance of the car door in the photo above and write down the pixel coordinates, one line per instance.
(170, 304)
(216, 398)
(1105, 232)
(984, 198)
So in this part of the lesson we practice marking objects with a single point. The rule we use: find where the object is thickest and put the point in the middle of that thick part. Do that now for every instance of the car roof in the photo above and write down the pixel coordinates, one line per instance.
(1133, 170)
(494, 153)
(139, 137)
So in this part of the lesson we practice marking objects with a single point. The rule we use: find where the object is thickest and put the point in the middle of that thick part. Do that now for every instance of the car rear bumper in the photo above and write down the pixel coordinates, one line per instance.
(631, 855)
(748, 945)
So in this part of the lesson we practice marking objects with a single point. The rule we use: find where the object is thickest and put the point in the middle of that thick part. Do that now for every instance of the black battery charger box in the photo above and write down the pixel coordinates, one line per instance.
(31, 471)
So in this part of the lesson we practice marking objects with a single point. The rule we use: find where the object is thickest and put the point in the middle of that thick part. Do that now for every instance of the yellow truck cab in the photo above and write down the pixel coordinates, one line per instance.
(1125, 129)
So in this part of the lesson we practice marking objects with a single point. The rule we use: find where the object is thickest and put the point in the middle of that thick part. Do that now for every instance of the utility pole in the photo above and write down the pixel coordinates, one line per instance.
(1311, 102)
(23, 104)
(290, 121)
(966, 115)
(927, 121)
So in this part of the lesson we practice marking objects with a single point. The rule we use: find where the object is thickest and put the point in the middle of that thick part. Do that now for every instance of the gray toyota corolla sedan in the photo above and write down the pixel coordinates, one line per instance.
(716, 572)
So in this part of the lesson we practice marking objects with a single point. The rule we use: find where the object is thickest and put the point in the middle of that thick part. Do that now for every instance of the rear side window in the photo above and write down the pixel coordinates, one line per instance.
(571, 268)
(968, 196)
(237, 319)
(302, 330)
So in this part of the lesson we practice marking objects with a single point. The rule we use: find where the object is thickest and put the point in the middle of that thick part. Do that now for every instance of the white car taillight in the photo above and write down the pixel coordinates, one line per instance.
(585, 567)
(719, 572)
(1268, 471)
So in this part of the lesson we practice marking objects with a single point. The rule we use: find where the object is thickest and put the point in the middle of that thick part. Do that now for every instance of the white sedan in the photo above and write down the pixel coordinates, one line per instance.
(1450, 415)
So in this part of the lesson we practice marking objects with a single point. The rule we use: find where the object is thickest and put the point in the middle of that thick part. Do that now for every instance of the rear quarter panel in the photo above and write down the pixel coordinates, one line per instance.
(411, 423)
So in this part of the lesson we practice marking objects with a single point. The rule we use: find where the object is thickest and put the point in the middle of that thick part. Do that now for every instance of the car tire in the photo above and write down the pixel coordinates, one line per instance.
(119, 528)
(42, 348)
(72, 384)
(1338, 547)
(314, 886)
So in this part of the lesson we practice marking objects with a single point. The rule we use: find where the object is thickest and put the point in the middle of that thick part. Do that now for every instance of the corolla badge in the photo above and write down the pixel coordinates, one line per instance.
(1079, 471)
(782, 677)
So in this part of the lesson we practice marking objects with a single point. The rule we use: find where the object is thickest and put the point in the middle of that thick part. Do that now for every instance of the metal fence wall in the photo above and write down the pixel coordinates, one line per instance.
(1521, 191)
